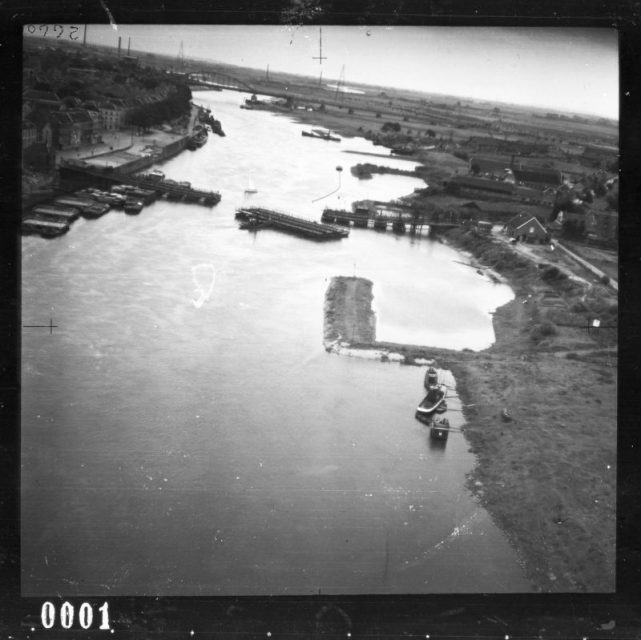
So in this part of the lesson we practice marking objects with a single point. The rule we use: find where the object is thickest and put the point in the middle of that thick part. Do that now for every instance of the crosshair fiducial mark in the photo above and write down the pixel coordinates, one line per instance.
(49, 326)
(320, 57)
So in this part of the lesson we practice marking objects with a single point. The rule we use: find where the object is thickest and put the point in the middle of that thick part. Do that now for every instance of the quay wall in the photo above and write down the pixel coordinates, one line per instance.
(167, 152)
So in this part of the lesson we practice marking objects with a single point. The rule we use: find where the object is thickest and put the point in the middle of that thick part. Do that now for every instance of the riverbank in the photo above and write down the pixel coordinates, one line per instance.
(547, 477)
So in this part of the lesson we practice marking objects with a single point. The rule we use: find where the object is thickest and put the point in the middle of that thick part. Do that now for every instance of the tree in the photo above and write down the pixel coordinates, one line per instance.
(431, 133)
(390, 126)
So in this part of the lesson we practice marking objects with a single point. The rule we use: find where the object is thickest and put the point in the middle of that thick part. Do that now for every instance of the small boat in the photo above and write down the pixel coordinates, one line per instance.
(434, 402)
(322, 135)
(440, 429)
(250, 187)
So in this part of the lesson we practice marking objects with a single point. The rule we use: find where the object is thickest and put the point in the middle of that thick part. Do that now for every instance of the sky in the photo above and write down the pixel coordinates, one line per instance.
(566, 69)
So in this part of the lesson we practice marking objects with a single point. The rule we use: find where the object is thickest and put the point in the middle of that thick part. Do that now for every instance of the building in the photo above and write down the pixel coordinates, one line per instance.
(537, 175)
(83, 123)
(526, 228)
(484, 226)
(46, 99)
(536, 196)
(492, 166)
(480, 184)
(66, 133)
(113, 115)
(599, 155)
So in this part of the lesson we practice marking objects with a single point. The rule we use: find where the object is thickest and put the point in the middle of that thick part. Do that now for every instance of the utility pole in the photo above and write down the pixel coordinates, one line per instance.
(340, 84)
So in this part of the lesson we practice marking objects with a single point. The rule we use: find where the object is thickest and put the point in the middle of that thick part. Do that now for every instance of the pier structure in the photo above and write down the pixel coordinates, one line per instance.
(79, 175)
(400, 218)
(262, 218)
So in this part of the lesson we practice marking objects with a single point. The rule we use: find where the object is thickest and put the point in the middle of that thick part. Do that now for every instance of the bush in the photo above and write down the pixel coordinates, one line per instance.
(552, 274)
(543, 330)
(605, 280)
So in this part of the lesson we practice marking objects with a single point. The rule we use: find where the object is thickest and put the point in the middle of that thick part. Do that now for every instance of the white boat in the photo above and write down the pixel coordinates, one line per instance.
(250, 187)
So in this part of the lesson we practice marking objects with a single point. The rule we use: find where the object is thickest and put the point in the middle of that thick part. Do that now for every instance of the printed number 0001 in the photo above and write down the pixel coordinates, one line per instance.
(85, 615)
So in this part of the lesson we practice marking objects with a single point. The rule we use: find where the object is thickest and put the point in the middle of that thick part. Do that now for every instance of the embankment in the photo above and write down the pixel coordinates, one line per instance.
(348, 311)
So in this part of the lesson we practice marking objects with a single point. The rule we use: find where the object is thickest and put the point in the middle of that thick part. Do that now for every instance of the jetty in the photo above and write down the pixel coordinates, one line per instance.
(400, 218)
(263, 218)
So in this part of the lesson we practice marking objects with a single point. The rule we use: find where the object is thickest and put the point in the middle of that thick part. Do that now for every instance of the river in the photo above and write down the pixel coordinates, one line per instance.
(184, 431)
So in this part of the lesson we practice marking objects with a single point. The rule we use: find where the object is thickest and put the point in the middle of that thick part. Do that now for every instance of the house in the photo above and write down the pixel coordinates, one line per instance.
(527, 228)
(484, 226)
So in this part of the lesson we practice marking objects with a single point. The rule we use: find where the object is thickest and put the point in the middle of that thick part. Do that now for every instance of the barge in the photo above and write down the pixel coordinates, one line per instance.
(291, 224)
(88, 207)
(45, 228)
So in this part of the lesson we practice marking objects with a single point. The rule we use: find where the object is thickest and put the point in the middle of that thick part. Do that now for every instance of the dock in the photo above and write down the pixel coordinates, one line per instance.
(291, 224)
(84, 175)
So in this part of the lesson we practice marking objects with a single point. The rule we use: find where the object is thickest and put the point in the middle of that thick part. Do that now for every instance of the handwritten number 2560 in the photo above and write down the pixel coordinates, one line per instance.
(58, 29)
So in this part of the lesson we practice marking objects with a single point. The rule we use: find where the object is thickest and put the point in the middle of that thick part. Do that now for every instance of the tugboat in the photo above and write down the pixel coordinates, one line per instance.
(439, 429)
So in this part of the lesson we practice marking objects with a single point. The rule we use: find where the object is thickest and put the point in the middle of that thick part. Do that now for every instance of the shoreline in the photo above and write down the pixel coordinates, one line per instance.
(547, 477)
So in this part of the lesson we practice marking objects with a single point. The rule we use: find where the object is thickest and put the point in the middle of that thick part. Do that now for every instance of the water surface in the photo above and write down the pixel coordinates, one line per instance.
(183, 430)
